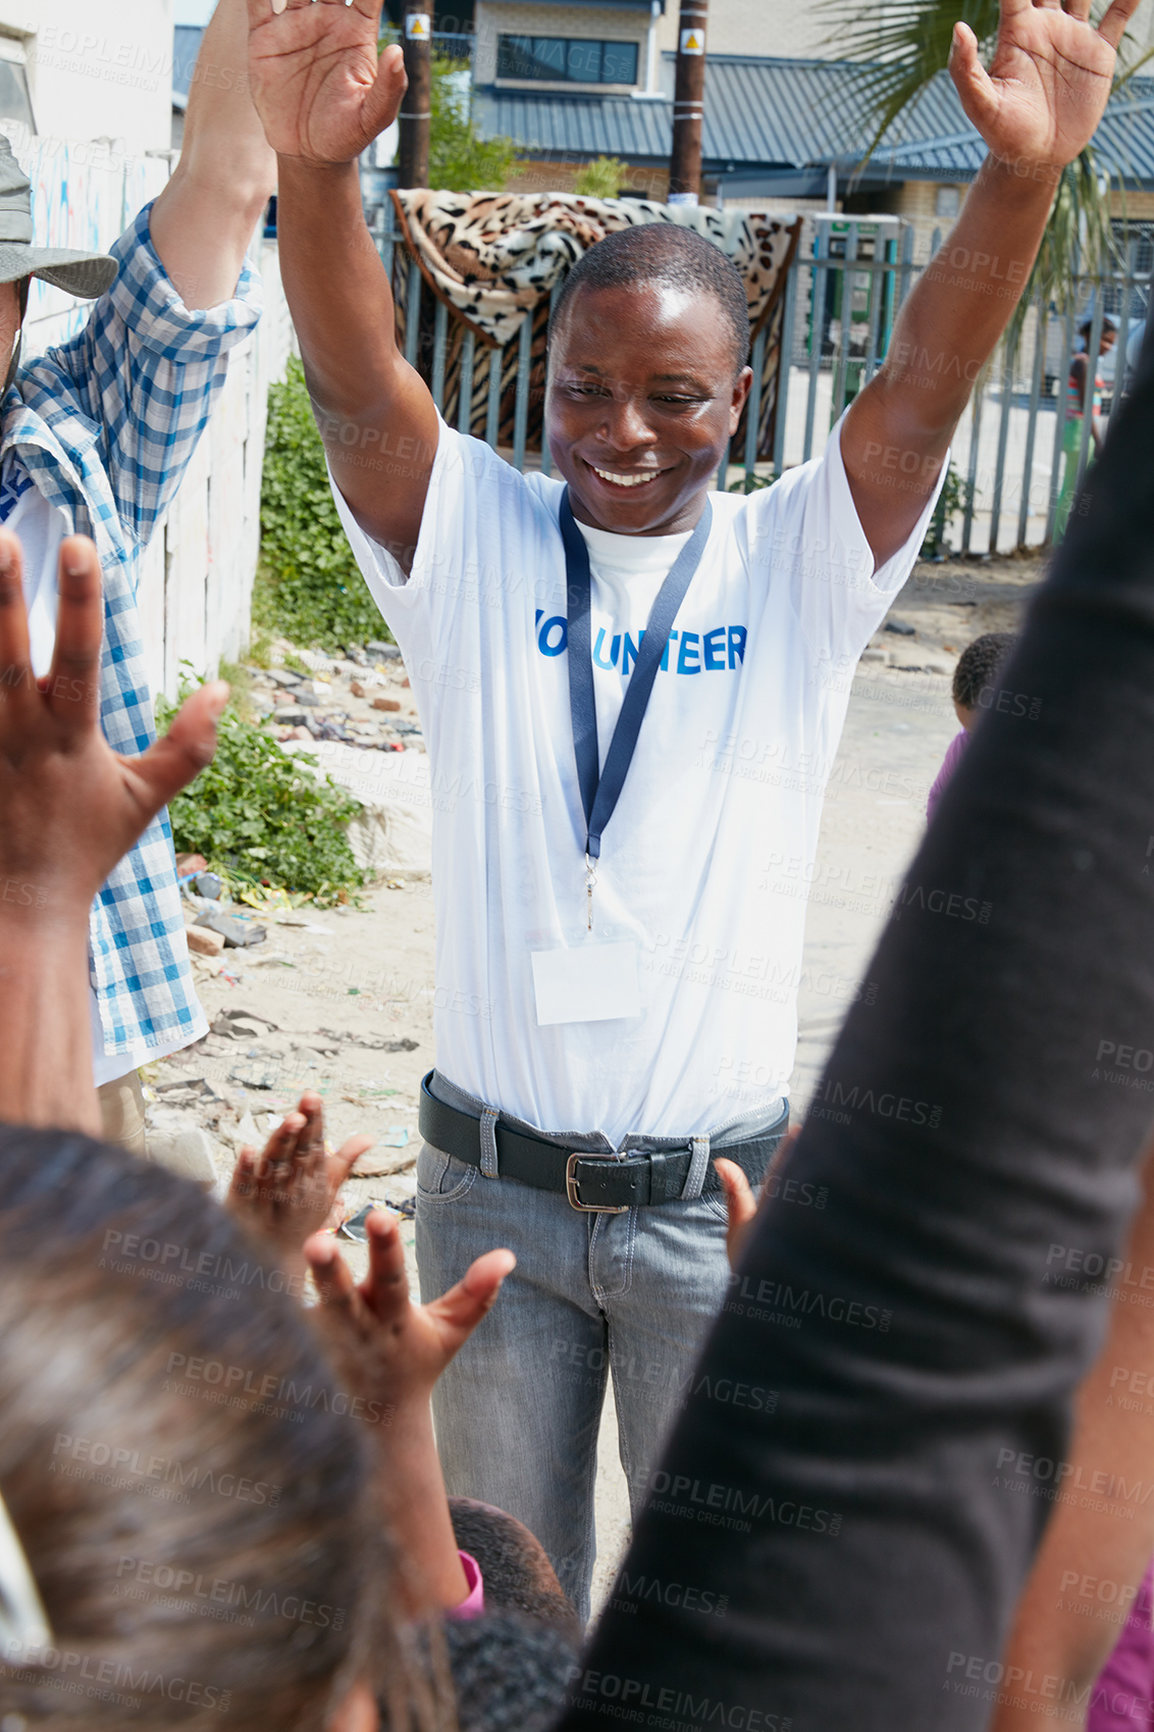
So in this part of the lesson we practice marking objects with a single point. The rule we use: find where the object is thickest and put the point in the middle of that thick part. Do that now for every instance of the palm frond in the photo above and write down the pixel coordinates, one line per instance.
(898, 50)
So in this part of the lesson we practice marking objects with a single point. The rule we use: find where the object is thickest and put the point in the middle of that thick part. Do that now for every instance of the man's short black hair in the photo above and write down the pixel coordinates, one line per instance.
(662, 253)
(979, 665)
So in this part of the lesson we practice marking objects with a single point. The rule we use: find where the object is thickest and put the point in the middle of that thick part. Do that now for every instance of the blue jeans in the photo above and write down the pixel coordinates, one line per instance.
(632, 1295)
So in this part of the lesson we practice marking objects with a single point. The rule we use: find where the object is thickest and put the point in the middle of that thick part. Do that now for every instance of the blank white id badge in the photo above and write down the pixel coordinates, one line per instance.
(588, 983)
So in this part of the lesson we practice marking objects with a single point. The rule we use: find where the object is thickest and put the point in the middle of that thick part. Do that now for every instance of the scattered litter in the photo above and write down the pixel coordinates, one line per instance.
(204, 942)
(396, 1137)
(253, 1078)
(208, 884)
(902, 628)
(238, 931)
(239, 1016)
(354, 1227)
(368, 1041)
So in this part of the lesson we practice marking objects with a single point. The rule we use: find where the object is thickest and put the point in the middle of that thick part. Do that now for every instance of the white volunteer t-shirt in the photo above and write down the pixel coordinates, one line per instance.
(699, 863)
(40, 528)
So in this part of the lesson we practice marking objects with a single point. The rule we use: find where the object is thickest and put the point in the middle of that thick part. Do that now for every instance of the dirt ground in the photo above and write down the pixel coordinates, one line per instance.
(342, 1000)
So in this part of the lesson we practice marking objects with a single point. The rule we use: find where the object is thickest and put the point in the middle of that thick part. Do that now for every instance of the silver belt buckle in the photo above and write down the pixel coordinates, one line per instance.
(572, 1194)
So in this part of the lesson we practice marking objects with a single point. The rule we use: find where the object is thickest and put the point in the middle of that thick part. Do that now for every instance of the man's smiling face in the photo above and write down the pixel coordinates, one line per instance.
(643, 399)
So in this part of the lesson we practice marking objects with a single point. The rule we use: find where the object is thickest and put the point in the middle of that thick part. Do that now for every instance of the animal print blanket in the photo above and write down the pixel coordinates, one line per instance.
(493, 258)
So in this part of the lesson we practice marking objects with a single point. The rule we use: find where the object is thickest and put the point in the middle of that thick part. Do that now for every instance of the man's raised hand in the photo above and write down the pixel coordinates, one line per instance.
(320, 91)
(72, 807)
(1043, 96)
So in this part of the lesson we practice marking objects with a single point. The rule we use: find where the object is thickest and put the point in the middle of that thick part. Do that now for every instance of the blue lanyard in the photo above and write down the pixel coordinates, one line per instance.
(600, 789)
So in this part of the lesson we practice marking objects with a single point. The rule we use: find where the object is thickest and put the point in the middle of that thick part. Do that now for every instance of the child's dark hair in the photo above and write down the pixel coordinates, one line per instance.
(195, 1510)
(978, 667)
(517, 1572)
(663, 253)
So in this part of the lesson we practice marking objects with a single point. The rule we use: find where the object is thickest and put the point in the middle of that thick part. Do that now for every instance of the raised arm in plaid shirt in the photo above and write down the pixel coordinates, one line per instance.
(105, 426)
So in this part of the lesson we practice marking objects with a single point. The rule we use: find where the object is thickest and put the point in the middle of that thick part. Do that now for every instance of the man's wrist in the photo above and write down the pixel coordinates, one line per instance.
(1023, 172)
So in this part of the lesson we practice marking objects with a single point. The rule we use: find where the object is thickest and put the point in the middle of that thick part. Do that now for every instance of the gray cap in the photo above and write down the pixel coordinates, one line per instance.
(83, 274)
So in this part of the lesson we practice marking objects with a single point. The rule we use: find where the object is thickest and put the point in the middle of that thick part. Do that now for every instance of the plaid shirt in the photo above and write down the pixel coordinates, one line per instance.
(105, 426)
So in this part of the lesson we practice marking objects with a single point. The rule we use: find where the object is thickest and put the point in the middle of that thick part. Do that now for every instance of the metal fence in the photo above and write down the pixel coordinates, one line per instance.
(1012, 450)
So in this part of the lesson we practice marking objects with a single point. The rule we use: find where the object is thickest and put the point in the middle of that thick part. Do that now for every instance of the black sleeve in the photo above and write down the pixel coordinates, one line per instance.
(875, 1434)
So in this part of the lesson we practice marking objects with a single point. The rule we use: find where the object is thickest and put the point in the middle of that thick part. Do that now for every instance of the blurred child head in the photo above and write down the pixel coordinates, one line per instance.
(976, 675)
(195, 1510)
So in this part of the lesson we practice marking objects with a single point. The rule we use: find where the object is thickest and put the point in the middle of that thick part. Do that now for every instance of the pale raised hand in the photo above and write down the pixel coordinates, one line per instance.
(71, 806)
(1040, 102)
(320, 91)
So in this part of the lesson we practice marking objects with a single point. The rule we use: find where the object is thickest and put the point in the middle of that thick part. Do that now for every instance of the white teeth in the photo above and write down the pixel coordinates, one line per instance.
(626, 480)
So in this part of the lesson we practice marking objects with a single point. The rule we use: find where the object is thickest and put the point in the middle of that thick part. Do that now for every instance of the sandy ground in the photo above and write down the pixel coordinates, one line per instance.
(340, 987)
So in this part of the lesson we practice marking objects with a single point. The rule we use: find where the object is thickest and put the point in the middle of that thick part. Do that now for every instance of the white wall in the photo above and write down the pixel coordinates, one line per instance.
(97, 68)
(197, 575)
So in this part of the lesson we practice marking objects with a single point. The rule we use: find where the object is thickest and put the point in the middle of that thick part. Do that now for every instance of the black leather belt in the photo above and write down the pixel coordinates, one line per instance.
(591, 1182)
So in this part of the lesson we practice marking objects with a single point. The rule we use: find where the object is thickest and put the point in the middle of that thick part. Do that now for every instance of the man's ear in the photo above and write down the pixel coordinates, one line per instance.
(357, 1713)
(741, 387)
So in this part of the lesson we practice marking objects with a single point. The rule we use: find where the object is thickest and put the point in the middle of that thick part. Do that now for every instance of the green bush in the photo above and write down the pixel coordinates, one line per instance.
(460, 160)
(309, 588)
(259, 815)
(602, 178)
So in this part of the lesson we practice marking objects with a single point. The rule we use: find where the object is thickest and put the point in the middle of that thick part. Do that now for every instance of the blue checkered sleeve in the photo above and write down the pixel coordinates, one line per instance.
(145, 371)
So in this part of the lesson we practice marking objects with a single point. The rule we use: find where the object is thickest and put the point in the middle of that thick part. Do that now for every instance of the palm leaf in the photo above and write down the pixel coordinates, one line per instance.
(900, 49)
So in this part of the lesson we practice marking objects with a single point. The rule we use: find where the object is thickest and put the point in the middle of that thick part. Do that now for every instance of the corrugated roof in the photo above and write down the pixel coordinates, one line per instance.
(775, 114)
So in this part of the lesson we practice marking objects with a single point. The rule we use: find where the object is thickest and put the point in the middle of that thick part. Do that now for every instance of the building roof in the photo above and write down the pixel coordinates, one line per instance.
(774, 118)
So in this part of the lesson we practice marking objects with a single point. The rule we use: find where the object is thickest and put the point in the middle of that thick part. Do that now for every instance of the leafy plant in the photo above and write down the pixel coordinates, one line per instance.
(955, 497)
(460, 160)
(602, 178)
(259, 815)
(308, 588)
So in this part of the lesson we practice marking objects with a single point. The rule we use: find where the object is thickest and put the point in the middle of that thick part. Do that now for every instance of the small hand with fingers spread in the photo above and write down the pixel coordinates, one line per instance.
(71, 806)
(1044, 94)
(318, 86)
(289, 1191)
(389, 1353)
(390, 1349)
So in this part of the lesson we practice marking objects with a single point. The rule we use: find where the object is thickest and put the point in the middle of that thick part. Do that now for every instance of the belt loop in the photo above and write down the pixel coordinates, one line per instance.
(489, 1117)
(698, 1167)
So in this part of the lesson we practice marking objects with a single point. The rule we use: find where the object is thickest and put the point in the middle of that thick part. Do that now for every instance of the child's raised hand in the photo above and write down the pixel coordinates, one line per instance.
(289, 1191)
(390, 1350)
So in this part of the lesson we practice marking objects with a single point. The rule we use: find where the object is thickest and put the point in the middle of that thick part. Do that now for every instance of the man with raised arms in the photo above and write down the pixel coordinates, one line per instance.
(632, 690)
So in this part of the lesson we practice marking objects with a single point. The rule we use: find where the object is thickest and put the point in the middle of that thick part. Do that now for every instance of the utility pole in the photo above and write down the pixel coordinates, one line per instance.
(413, 154)
(688, 104)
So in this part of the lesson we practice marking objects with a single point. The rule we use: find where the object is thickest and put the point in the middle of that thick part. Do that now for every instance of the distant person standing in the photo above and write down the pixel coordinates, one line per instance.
(1075, 413)
(974, 687)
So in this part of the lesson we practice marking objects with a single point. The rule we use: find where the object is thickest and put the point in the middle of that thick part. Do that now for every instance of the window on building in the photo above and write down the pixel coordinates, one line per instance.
(15, 103)
(947, 201)
(567, 60)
